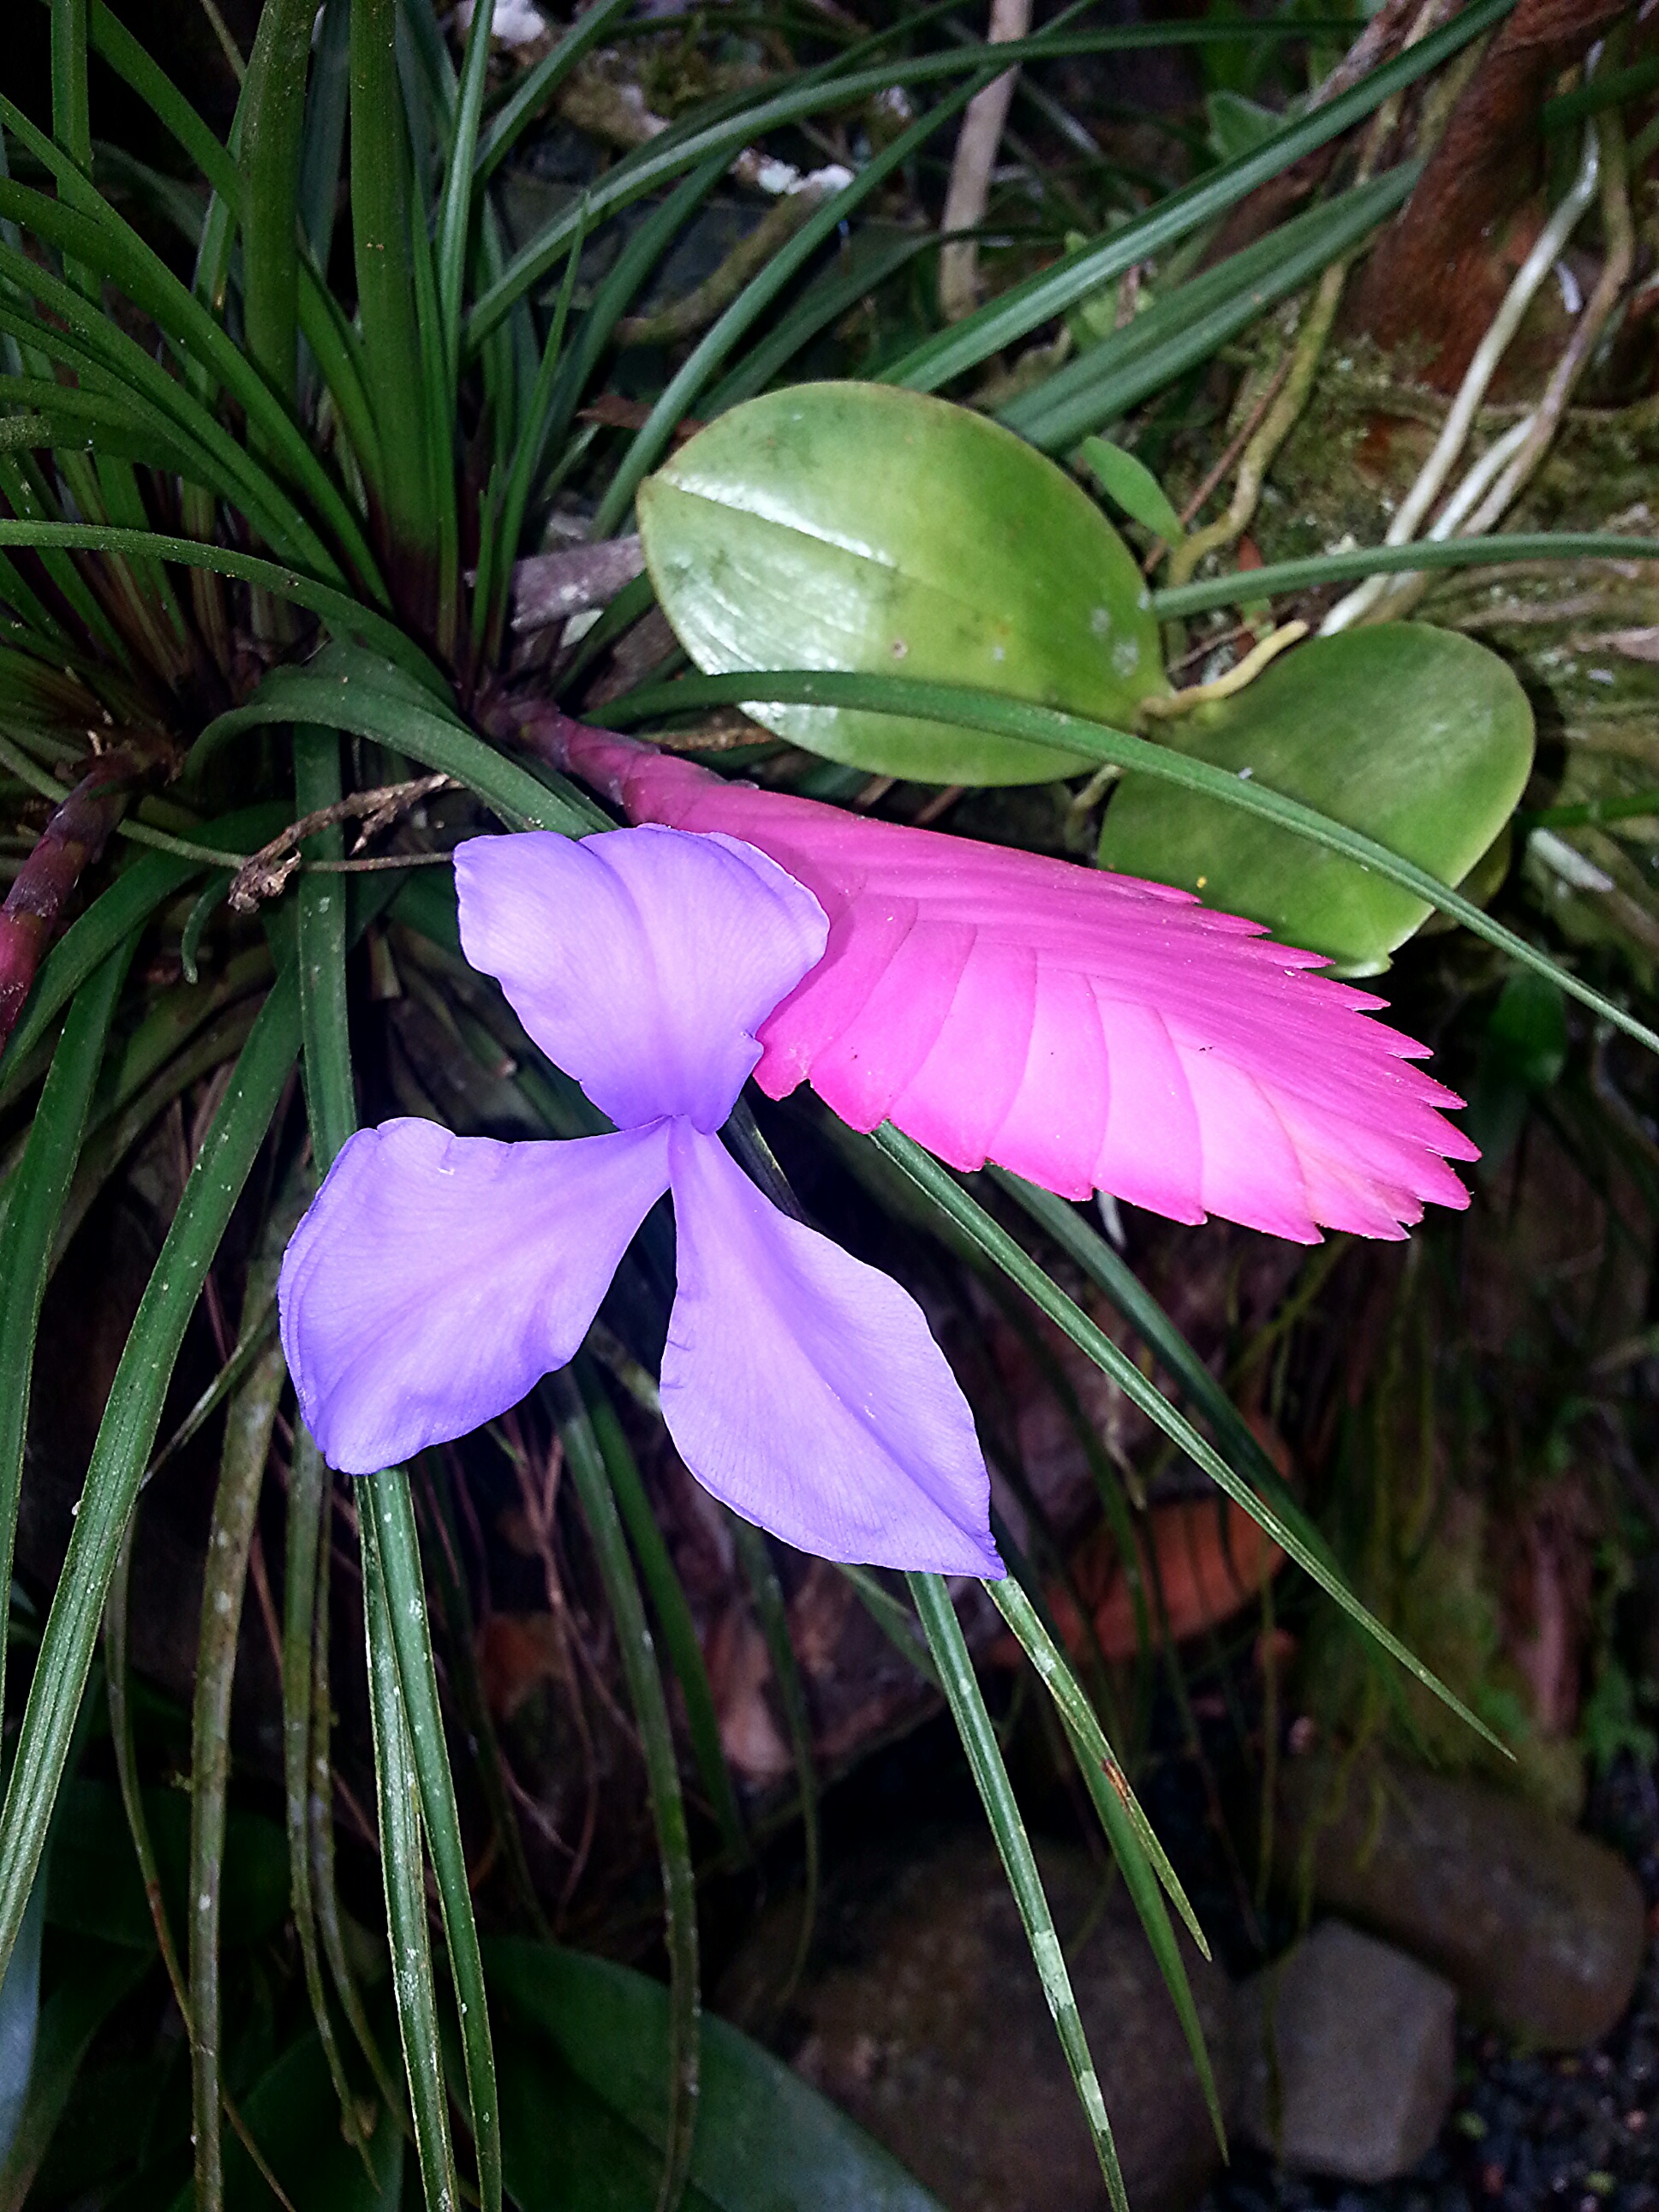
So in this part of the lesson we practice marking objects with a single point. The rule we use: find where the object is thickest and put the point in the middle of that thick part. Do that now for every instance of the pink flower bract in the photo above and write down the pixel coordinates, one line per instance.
(1087, 1030)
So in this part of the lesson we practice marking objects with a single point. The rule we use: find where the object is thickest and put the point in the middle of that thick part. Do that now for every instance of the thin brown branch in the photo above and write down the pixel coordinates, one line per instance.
(265, 874)
(970, 169)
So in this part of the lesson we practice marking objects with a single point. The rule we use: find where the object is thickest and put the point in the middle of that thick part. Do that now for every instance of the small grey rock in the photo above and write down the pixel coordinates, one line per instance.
(1348, 2055)
(1541, 1930)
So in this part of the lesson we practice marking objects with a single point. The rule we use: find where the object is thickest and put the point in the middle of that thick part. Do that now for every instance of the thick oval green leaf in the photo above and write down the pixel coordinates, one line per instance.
(1418, 737)
(582, 2056)
(855, 526)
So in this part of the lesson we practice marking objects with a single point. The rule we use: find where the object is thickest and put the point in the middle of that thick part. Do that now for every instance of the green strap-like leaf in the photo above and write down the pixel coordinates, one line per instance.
(344, 615)
(531, 94)
(384, 240)
(112, 248)
(126, 1436)
(386, 1506)
(644, 1691)
(1187, 325)
(320, 908)
(1025, 306)
(249, 1423)
(674, 1621)
(398, 1633)
(766, 1593)
(1320, 569)
(402, 1868)
(137, 67)
(1110, 1271)
(937, 1184)
(737, 123)
(309, 1503)
(347, 689)
(455, 206)
(273, 122)
(1135, 1847)
(39, 1188)
(962, 1691)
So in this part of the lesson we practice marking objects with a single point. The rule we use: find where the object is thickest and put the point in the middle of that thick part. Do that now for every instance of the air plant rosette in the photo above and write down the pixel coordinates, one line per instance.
(257, 565)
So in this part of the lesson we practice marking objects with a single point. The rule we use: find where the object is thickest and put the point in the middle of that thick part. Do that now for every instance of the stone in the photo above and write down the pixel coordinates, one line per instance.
(1539, 1928)
(1347, 2054)
(930, 2028)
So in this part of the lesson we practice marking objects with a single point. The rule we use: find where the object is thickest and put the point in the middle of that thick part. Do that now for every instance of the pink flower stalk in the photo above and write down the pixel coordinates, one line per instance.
(1087, 1030)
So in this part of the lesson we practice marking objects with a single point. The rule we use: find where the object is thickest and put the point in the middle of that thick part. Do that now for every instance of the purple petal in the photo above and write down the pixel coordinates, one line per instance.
(803, 1388)
(435, 1279)
(642, 961)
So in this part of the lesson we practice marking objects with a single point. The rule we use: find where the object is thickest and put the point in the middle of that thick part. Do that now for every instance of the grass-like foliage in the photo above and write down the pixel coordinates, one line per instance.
(276, 429)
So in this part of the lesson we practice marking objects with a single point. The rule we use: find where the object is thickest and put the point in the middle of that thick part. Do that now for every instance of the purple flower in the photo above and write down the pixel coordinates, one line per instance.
(436, 1278)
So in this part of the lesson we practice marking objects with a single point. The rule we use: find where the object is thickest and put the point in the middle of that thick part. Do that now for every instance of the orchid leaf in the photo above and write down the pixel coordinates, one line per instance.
(1420, 738)
(585, 2116)
(835, 214)
(854, 527)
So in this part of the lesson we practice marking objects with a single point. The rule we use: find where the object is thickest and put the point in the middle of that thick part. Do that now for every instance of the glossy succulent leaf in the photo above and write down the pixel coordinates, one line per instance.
(693, 376)
(857, 527)
(584, 2103)
(1418, 737)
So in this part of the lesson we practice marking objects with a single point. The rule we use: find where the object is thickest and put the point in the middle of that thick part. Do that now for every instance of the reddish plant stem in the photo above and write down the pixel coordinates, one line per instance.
(71, 842)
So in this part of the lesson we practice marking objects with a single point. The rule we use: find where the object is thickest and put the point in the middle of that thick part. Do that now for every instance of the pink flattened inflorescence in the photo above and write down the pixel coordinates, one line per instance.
(1087, 1030)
